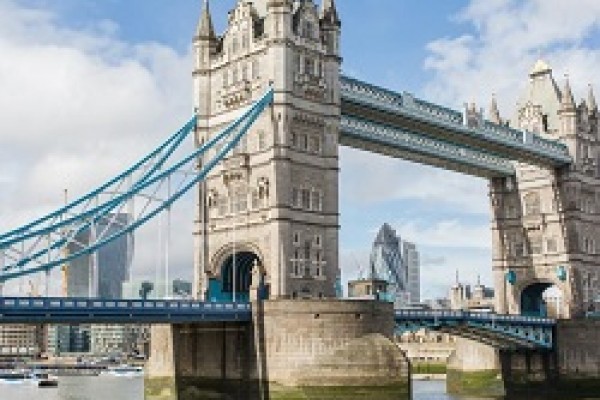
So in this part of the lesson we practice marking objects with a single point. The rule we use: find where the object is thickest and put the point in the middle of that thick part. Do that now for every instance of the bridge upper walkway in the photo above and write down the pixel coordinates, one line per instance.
(383, 121)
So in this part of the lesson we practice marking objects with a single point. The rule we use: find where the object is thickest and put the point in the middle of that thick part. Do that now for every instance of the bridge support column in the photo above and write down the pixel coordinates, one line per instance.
(210, 360)
(329, 349)
(579, 357)
(480, 370)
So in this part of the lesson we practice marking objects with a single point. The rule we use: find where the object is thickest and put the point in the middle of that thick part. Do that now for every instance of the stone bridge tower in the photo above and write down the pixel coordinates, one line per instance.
(546, 223)
(273, 203)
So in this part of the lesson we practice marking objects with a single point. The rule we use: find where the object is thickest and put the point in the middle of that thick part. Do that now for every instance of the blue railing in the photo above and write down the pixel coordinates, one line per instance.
(81, 310)
(516, 330)
(474, 316)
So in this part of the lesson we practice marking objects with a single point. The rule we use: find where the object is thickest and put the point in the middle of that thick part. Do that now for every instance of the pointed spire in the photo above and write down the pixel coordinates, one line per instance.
(457, 280)
(329, 12)
(567, 101)
(206, 29)
(494, 112)
(593, 106)
(541, 67)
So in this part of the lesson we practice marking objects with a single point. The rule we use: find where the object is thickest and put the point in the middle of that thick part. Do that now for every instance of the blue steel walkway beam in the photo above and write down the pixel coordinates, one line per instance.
(496, 340)
(15, 310)
(404, 111)
(400, 143)
(505, 330)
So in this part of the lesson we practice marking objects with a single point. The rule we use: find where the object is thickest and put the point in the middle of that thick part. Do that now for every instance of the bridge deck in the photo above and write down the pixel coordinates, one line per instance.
(95, 311)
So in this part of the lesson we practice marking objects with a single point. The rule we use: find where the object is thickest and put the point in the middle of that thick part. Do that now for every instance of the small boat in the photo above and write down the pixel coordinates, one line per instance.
(43, 380)
(125, 370)
(13, 377)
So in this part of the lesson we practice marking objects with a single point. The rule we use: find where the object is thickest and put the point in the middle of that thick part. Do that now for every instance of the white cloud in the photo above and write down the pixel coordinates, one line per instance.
(369, 178)
(79, 106)
(446, 234)
(507, 37)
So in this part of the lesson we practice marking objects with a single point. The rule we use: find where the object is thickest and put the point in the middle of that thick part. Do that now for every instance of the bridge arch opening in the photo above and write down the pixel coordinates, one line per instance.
(542, 299)
(235, 278)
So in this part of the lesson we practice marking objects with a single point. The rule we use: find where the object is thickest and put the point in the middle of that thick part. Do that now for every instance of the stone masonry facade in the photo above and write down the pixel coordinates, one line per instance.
(276, 196)
(546, 222)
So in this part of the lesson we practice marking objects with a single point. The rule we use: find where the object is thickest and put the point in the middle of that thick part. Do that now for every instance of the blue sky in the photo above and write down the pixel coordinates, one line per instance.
(445, 51)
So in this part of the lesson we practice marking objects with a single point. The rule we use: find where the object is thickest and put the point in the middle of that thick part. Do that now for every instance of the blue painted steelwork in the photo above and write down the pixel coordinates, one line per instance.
(229, 136)
(529, 147)
(26, 231)
(87, 311)
(371, 132)
(511, 277)
(498, 330)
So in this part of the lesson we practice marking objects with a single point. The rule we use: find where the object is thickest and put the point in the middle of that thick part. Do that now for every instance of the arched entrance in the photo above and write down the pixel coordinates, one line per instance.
(541, 299)
(233, 283)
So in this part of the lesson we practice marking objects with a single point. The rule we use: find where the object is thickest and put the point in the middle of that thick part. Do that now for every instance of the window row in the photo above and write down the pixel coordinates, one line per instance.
(239, 201)
(307, 199)
(308, 65)
(260, 144)
(307, 268)
(519, 247)
(317, 240)
(306, 142)
(240, 73)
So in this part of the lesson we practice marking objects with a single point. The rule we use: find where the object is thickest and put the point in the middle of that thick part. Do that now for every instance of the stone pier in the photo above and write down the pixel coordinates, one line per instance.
(292, 350)
(476, 369)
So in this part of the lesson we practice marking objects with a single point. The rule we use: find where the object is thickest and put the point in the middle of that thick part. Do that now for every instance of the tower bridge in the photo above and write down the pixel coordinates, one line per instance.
(271, 110)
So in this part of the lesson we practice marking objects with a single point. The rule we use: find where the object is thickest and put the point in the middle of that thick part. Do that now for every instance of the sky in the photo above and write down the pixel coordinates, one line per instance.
(89, 86)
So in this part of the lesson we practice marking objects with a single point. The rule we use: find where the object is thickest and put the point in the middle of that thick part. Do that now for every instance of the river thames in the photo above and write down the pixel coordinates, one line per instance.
(120, 388)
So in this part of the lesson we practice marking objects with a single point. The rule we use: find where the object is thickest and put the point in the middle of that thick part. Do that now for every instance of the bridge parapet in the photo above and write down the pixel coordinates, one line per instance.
(375, 95)
(496, 330)
(81, 310)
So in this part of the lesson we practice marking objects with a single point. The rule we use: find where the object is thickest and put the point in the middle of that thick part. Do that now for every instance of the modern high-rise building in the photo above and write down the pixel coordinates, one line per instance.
(396, 263)
(68, 339)
(386, 264)
(18, 340)
(100, 275)
(412, 265)
(113, 262)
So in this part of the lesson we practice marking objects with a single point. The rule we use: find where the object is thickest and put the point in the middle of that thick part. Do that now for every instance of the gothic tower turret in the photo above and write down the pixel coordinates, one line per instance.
(274, 202)
(545, 221)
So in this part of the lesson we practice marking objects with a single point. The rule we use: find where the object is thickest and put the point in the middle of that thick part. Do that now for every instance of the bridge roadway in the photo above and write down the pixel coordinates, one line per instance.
(500, 331)
(507, 331)
(379, 120)
(42, 310)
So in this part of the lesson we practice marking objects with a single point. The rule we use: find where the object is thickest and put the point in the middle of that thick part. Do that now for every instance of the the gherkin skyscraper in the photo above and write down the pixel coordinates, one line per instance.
(385, 263)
